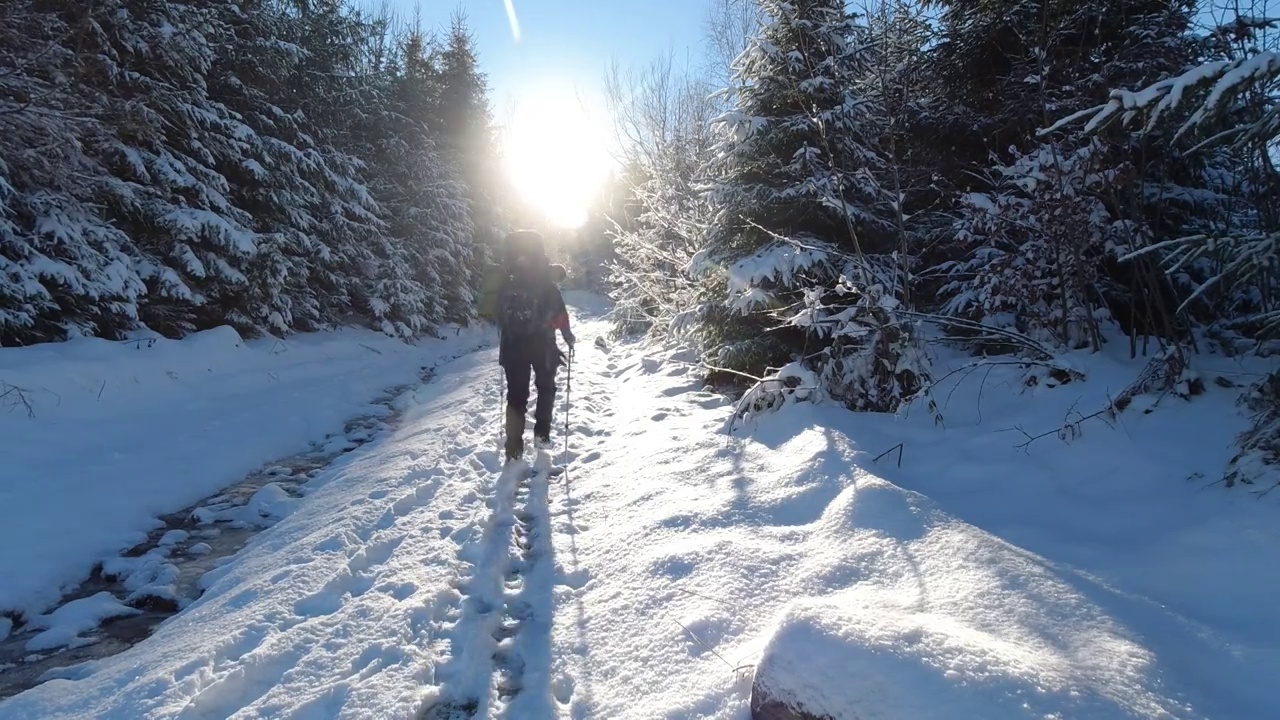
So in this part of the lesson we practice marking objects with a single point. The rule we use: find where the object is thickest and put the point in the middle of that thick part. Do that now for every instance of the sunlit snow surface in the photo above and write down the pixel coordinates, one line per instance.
(1097, 579)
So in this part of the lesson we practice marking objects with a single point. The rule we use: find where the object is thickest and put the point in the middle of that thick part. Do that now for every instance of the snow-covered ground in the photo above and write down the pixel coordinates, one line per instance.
(98, 438)
(1099, 578)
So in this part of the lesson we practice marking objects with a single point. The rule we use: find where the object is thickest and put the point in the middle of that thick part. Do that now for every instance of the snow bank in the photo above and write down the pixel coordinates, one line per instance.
(335, 611)
(119, 433)
(950, 622)
(1099, 578)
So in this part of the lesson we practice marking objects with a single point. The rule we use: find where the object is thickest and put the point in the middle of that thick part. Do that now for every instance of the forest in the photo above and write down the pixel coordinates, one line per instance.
(275, 166)
(833, 195)
(830, 193)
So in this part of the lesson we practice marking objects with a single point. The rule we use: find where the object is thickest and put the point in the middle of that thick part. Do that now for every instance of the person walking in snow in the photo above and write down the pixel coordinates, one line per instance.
(529, 310)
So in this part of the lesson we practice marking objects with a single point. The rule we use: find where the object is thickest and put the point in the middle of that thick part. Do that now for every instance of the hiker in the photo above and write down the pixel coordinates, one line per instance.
(529, 310)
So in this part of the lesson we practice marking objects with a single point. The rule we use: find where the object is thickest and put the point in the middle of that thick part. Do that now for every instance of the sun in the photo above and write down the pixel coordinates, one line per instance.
(554, 153)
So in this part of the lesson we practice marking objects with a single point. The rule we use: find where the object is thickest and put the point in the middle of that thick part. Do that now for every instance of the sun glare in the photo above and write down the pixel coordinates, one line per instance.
(555, 154)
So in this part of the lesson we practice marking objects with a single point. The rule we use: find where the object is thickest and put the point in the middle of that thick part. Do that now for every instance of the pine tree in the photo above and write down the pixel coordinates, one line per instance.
(429, 227)
(466, 129)
(801, 225)
(1008, 68)
(279, 166)
(1043, 239)
(64, 270)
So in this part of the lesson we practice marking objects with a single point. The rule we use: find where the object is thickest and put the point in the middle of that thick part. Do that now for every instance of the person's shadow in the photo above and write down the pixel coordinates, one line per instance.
(525, 669)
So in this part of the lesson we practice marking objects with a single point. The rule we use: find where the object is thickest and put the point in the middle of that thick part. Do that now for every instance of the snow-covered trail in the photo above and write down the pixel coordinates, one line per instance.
(419, 579)
(417, 574)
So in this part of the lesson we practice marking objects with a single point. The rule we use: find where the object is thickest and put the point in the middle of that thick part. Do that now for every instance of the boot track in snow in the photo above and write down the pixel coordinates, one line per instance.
(502, 633)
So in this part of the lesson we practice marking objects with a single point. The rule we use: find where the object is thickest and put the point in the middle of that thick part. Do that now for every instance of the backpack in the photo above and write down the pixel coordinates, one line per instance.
(523, 305)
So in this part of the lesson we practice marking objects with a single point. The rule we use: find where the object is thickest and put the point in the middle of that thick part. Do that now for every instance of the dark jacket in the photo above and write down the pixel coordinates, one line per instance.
(535, 337)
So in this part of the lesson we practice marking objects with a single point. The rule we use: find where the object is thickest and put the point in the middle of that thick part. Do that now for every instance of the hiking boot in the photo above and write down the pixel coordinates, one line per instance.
(515, 433)
(542, 442)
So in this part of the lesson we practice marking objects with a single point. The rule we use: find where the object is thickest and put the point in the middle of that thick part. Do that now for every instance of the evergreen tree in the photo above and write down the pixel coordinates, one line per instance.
(801, 227)
(181, 166)
(425, 204)
(1005, 69)
(1043, 239)
(466, 128)
(64, 270)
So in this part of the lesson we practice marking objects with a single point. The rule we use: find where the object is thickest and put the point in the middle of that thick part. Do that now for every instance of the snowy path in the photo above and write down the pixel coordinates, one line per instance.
(418, 579)
(416, 573)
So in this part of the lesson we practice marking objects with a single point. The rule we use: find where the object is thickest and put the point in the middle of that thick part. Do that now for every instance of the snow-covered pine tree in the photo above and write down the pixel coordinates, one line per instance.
(64, 270)
(1042, 240)
(334, 93)
(188, 165)
(1005, 68)
(1226, 108)
(801, 229)
(422, 194)
(270, 176)
(467, 137)
(166, 138)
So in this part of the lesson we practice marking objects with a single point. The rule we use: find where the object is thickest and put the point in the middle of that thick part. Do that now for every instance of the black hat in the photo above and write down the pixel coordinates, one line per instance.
(525, 245)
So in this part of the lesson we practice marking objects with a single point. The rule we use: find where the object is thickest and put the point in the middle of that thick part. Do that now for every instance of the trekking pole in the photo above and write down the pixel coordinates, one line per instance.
(568, 389)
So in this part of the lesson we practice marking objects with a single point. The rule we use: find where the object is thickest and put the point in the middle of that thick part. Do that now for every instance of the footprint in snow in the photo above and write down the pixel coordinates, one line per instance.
(416, 499)
(576, 579)
(399, 590)
(460, 452)
(328, 545)
(490, 459)
(326, 602)
(373, 554)
(562, 689)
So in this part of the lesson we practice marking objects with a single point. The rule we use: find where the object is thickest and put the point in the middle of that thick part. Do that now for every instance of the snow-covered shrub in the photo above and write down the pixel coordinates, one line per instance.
(1035, 249)
(790, 383)
(1226, 256)
(872, 359)
(1168, 373)
(657, 226)
(1260, 444)
(868, 355)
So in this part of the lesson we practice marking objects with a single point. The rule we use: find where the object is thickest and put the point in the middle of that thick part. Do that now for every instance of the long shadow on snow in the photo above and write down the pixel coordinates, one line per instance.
(500, 645)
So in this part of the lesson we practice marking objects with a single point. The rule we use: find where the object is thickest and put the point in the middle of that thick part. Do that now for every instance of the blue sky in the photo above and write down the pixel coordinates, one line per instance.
(567, 42)
(546, 86)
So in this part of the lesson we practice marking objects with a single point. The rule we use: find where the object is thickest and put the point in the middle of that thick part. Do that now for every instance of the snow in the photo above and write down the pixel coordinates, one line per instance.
(972, 577)
(777, 263)
(1223, 78)
(65, 625)
(122, 432)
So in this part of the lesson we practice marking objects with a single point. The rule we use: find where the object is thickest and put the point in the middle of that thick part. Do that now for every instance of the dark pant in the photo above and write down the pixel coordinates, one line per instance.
(518, 361)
